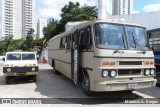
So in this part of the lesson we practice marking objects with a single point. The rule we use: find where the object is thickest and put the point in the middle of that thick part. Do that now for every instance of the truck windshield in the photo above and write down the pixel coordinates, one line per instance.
(13, 57)
(28, 56)
(109, 36)
(137, 37)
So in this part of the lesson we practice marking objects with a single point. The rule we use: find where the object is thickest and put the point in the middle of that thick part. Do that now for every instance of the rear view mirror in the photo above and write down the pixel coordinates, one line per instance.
(3, 59)
(152, 48)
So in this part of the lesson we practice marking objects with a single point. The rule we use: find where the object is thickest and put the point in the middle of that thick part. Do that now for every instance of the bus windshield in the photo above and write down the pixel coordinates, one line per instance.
(137, 37)
(109, 36)
(112, 36)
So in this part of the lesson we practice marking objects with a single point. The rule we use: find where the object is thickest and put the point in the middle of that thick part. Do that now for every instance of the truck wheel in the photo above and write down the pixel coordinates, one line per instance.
(86, 85)
(158, 79)
(34, 78)
(8, 80)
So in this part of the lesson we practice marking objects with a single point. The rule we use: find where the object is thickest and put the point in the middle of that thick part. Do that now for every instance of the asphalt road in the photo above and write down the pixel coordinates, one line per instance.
(63, 89)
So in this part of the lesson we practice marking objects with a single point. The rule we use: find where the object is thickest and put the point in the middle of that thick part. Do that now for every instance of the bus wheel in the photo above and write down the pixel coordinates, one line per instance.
(55, 71)
(86, 85)
(158, 79)
(8, 80)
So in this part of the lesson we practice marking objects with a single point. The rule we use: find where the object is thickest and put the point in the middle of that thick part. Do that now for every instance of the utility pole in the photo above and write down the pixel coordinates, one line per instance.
(103, 9)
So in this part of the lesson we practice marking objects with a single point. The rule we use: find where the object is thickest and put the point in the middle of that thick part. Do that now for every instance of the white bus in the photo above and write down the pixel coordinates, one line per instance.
(104, 56)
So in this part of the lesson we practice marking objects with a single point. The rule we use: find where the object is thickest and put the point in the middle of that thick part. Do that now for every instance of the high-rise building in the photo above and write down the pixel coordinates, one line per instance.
(120, 7)
(29, 16)
(17, 17)
(40, 25)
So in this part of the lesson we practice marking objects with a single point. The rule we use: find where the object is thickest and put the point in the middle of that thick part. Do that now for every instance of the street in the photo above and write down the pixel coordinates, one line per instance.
(50, 85)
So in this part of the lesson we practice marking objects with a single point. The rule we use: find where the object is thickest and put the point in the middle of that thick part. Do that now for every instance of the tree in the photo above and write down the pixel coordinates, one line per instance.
(29, 40)
(51, 29)
(7, 44)
(70, 12)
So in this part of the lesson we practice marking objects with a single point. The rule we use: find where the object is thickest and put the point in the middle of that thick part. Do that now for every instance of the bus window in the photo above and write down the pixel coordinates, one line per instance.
(85, 38)
(109, 36)
(69, 42)
(63, 42)
(154, 40)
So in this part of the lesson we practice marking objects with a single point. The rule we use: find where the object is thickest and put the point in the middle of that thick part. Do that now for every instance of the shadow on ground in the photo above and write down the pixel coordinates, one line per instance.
(63, 90)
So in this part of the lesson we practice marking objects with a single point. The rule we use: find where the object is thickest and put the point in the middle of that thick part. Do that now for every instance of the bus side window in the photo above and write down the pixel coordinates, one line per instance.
(63, 42)
(69, 42)
(85, 39)
(81, 39)
(89, 42)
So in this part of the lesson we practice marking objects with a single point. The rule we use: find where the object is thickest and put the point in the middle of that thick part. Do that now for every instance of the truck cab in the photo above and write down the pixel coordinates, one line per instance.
(20, 64)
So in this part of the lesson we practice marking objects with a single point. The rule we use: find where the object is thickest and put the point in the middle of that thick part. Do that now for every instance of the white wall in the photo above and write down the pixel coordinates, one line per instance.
(151, 19)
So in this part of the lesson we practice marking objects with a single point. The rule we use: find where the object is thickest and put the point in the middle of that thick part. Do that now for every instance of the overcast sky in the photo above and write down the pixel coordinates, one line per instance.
(52, 8)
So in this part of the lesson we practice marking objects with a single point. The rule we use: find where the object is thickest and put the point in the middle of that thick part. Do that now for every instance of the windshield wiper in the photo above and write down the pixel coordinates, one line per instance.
(137, 44)
(120, 46)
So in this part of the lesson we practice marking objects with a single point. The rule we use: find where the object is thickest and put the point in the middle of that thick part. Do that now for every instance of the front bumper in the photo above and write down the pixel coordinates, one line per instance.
(121, 86)
(21, 71)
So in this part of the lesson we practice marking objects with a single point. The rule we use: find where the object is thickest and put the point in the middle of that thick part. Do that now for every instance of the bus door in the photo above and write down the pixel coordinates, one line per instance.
(75, 57)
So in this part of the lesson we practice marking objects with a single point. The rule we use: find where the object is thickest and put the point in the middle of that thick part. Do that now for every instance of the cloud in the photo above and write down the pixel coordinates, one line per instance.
(152, 7)
(134, 12)
(52, 8)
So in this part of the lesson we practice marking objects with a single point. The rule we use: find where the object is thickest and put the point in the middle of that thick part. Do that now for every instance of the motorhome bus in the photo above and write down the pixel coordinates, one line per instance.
(154, 41)
(104, 56)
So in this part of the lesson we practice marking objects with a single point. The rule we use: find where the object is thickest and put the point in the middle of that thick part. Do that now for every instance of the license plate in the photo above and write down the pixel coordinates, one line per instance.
(132, 86)
(21, 74)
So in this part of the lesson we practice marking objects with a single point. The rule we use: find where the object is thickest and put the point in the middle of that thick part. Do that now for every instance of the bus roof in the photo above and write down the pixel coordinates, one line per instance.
(86, 23)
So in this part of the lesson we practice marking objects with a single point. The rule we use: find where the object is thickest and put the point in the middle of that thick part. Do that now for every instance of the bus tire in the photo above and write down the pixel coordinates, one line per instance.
(54, 68)
(8, 80)
(86, 85)
(158, 79)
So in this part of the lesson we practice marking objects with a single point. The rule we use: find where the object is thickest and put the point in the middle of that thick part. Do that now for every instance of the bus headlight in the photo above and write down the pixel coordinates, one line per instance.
(147, 72)
(152, 72)
(8, 69)
(105, 73)
(113, 73)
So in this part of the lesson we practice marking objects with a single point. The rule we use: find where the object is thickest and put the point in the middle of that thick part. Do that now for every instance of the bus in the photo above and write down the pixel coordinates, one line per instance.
(154, 41)
(104, 56)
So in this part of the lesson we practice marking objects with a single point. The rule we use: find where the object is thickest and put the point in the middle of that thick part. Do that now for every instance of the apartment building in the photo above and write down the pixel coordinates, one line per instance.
(17, 17)
(40, 25)
(121, 7)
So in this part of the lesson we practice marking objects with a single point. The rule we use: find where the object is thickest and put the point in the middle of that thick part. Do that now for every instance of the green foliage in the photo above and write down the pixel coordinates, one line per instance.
(71, 12)
(27, 44)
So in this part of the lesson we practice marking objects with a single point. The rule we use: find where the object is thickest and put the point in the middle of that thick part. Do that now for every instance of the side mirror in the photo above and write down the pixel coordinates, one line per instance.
(3, 59)
(152, 48)
(37, 58)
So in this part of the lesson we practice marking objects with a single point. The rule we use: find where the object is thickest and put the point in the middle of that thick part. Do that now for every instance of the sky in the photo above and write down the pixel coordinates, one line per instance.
(52, 8)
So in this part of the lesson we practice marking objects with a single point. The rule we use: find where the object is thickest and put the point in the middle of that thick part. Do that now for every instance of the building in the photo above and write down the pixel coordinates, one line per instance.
(6, 17)
(148, 19)
(29, 17)
(17, 17)
(40, 25)
(120, 7)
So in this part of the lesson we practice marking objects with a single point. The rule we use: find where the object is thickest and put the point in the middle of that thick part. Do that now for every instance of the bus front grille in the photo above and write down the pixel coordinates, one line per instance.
(131, 63)
(129, 72)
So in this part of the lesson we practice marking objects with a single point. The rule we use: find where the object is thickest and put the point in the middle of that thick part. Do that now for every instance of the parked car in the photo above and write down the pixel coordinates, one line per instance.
(20, 64)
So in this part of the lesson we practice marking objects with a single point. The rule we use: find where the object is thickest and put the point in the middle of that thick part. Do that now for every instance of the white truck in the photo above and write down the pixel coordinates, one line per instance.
(20, 64)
